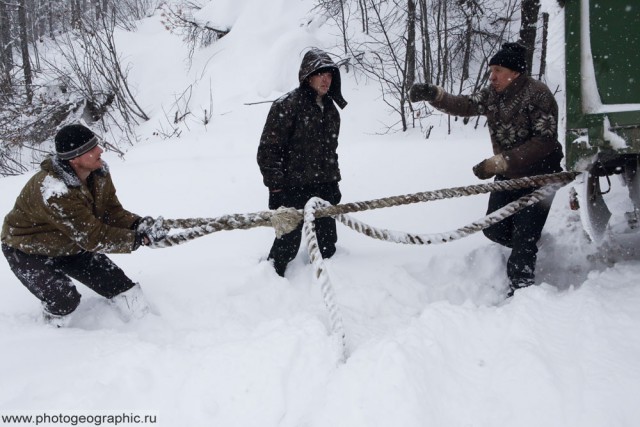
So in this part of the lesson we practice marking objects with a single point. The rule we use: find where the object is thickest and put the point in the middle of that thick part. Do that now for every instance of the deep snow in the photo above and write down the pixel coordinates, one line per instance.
(229, 343)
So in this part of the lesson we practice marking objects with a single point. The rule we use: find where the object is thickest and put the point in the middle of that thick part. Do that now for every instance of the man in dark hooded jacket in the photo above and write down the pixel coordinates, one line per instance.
(522, 117)
(65, 219)
(297, 153)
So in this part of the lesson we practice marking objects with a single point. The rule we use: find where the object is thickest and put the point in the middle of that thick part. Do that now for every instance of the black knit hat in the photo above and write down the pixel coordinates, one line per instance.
(74, 140)
(512, 56)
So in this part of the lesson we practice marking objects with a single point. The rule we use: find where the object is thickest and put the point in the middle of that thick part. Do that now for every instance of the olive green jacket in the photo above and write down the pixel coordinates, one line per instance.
(56, 215)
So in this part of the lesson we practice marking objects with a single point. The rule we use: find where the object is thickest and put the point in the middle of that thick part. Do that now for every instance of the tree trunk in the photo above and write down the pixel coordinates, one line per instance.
(439, 32)
(528, 27)
(410, 76)
(6, 51)
(76, 14)
(344, 27)
(467, 53)
(365, 17)
(445, 44)
(427, 62)
(545, 36)
(24, 47)
(50, 12)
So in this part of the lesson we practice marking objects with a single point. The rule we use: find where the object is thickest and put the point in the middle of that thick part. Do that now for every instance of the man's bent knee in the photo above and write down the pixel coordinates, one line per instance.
(61, 300)
(496, 236)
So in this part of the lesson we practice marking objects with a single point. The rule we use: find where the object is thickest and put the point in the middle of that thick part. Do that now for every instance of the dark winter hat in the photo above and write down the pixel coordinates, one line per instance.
(512, 56)
(74, 140)
(316, 60)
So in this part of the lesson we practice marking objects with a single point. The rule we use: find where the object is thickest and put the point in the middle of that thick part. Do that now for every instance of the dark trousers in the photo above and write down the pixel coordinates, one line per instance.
(49, 278)
(285, 248)
(520, 232)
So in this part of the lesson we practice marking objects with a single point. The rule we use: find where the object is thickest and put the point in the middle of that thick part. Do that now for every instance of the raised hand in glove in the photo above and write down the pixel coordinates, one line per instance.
(423, 92)
(489, 167)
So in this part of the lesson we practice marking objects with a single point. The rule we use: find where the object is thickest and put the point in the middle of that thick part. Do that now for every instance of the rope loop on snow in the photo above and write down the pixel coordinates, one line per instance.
(321, 274)
(284, 220)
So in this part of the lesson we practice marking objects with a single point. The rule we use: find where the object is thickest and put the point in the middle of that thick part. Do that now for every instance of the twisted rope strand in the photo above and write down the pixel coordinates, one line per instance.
(287, 219)
(321, 274)
(435, 238)
(449, 193)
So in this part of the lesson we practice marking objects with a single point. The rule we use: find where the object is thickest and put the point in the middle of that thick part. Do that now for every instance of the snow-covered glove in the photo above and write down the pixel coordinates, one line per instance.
(142, 223)
(487, 168)
(150, 231)
(423, 92)
(157, 231)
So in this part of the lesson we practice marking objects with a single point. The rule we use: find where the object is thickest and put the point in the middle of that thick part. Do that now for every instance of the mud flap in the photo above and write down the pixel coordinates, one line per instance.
(594, 212)
(632, 181)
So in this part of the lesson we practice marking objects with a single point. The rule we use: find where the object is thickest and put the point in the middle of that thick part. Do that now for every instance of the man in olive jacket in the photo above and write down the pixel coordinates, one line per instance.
(298, 155)
(522, 116)
(64, 220)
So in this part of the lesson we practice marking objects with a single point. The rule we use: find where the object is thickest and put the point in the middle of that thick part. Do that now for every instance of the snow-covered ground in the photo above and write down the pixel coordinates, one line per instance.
(431, 340)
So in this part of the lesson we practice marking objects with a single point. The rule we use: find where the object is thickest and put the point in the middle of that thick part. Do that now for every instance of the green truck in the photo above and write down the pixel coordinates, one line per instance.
(602, 55)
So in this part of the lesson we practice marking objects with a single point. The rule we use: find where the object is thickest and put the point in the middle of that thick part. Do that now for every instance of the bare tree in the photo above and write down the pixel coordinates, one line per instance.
(452, 45)
(364, 15)
(6, 52)
(336, 10)
(543, 50)
(90, 85)
(411, 44)
(94, 70)
(24, 48)
(528, 28)
(195, 33)
(427, 61)
(385, 55)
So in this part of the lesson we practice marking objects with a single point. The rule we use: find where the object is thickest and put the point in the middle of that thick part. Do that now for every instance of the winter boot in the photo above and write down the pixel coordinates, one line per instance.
(56, 320)
(279, 267)
(518, 284)
(131, 303)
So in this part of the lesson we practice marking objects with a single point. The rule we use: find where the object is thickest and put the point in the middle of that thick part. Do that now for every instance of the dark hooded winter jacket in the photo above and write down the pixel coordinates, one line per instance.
(56, 215)
(522, 121)
(299, 141)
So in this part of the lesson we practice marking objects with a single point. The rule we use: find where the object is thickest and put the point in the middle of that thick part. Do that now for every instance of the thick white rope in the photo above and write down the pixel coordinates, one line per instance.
(320, 271)
(321, 274)
(449, 236)
(285, 218)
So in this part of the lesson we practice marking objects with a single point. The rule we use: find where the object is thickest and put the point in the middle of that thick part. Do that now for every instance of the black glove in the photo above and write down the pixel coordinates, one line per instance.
(138, 240)
(423, 92)
(142, 223)
(490, 167)
(276, 199)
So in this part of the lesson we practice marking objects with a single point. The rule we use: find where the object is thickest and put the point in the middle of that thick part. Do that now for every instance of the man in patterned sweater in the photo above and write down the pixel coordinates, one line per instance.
(522, 116)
